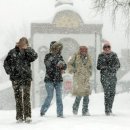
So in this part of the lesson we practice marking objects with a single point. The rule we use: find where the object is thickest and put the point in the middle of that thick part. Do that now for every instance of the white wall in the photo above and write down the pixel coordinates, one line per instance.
(40, 39)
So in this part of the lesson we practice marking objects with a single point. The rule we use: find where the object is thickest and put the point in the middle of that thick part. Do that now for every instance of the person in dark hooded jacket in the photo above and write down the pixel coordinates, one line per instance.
(17, 65)
(55, 66)
(108, 64)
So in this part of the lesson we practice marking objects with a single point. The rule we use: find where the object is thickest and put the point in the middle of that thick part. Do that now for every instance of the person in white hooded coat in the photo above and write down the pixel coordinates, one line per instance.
(80, 65)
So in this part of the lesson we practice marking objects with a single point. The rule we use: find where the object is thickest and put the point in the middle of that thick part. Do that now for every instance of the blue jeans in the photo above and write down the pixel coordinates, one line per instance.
(50, 86)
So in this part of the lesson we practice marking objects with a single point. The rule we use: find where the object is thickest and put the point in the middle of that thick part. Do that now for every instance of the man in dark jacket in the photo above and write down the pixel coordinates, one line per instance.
(108, 64)
(55, 66)
(17, 64)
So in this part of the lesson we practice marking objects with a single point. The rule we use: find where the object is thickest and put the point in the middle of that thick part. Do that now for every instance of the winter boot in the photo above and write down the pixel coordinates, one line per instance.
(28, 120)
(19, 120)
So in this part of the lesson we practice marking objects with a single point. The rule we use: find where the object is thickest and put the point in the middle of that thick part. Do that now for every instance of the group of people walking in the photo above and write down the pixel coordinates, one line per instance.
(17, 65)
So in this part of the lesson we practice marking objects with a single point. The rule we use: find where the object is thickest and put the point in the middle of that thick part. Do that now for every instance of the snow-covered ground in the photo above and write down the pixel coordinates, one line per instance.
(97, 120)
(5, 85)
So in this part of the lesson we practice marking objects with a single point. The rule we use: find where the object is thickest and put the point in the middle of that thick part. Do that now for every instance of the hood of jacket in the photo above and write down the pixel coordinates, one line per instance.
(56, 48)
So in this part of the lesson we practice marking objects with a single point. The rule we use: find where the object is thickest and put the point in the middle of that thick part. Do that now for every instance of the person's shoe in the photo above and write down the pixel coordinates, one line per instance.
(107, 113)
(86, 114)
(42, 113)
(60, 116)
(28, 120)
(75, 112)
(19, 120)
(111, 114)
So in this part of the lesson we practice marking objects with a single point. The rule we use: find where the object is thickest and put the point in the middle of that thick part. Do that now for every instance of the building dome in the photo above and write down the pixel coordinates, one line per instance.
(63, 2)
(67, 18)
(66, 15)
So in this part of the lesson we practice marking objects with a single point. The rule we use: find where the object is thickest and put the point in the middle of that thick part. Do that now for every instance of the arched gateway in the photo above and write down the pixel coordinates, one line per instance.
(68, 27)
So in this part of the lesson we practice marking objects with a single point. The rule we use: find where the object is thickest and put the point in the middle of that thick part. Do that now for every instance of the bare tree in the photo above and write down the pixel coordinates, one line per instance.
(115, 7)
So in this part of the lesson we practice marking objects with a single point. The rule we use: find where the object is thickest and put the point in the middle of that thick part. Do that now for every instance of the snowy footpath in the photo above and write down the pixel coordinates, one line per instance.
(97, 120)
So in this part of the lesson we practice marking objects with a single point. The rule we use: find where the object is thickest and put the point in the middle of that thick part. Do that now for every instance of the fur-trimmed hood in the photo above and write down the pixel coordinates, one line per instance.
(56, 47)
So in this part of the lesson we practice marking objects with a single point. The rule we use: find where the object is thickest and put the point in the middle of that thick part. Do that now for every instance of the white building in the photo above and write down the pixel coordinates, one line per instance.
(68, 27)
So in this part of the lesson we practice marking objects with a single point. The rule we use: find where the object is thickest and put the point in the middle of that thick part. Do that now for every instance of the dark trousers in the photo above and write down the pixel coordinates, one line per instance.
(22, 98)
(85, 104)
(109, 85)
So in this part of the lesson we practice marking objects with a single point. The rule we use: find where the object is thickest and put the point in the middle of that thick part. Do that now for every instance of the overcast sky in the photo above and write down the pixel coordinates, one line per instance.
(16, 16)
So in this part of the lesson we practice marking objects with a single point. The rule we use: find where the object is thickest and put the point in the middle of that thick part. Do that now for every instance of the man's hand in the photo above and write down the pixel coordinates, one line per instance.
(60, 66)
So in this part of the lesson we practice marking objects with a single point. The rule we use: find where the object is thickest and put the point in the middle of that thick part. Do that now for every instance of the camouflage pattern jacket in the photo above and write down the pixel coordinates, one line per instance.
(17, 64)
(108, 64)
(82, 72)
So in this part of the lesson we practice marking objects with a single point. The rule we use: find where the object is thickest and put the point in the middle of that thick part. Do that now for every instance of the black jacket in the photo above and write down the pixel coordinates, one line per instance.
(108, 63)
(53, 73)
(17, 63)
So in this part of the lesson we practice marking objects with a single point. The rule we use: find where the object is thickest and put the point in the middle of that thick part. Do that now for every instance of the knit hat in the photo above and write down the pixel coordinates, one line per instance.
(106, 44)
